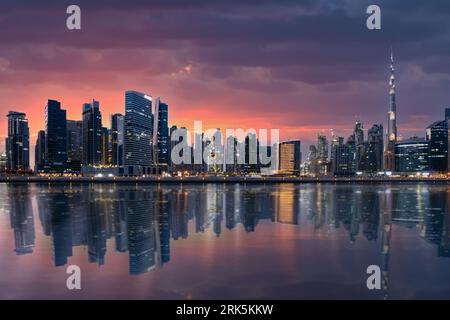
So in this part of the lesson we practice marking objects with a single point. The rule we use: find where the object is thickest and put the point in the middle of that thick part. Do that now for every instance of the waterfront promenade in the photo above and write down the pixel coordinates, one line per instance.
(217, 179)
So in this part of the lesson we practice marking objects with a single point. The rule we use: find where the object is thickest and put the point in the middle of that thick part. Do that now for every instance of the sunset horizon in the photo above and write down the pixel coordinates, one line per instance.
(220, 158)
(221, 71)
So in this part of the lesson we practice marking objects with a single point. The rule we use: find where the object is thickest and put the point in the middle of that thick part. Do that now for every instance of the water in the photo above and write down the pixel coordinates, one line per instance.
(224, 241)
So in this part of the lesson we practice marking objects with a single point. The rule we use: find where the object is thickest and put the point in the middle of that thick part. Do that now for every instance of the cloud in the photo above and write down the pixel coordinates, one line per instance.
(295, 63)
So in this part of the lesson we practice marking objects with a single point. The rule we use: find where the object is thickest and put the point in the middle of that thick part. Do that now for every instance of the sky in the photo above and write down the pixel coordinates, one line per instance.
(301, 66)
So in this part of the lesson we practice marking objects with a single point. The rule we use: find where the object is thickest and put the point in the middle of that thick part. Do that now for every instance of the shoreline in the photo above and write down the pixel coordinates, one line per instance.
(215, 179)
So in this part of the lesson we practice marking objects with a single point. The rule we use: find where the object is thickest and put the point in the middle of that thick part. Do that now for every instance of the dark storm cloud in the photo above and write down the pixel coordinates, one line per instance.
(309, 52)
(208, 26)
(146, 4)
(324, 34)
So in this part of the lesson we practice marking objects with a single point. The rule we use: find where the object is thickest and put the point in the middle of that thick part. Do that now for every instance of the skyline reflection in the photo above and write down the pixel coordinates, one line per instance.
(143, 220)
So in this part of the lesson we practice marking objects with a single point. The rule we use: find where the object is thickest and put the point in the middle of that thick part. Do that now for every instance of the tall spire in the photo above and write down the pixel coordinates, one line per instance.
(391, 135)
(392, 112)
(392, 56)
(392, 76)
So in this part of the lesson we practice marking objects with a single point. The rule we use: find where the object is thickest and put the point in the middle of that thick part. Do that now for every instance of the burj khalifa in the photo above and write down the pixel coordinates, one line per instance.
(391, 135)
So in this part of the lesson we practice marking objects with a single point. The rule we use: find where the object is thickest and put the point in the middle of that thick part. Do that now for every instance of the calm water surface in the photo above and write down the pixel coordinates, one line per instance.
(224, 241)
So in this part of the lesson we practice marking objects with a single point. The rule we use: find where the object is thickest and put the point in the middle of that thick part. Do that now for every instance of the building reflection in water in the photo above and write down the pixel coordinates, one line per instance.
(22, 220)
(142, 220)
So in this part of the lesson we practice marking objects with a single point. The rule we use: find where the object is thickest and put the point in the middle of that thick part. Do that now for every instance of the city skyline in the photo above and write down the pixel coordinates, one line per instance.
(198, 72)
(141, 136)
(224, 150)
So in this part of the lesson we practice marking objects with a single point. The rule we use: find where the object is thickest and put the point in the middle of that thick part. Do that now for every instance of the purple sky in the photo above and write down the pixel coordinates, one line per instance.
(301, 66)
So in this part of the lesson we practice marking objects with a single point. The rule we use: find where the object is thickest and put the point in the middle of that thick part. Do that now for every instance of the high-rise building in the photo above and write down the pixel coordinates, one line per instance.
(311, 161)
(389, 152)
(92, 134)
(322, 154)
(161, 135)
(138, 145)
(351, 143)
(372, 156)
(268, 158)
(437, 136)
(344, 163)
(74, 141)
(117, 139)
(251, 152)
(337, 142)
(334, 142)
(199, 163)
(105, 146)
(359, 143)
(55, 136)
(412, 155)
(230, 154)
(214, 152)
(359, 133)
(289, 157)
(18, 142)
(177, 162)
(39, 152)
(172, 143)
(375, 138)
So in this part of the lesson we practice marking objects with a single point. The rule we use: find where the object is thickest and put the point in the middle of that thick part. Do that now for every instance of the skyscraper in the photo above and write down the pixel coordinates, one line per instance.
(199, 163)
(230, 155)
(172, 143)
(311, 161)
(359, 143)
(74, 141)
(389, 153)
(337, 142)
(18, 142)
(161, 135)
(138, 133)
(251, 152)
(412, 155)
(55, 136)
(92, 134)
(105, 146)
(351, 144)
(117, 139)
(215, 155)
(344, 163)
(375, 138)
(334, 142)
(290, 157)
(359, 133)
(322, 154)
(177, 163)
(372, 157)
(39, 152)
(437, 136)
